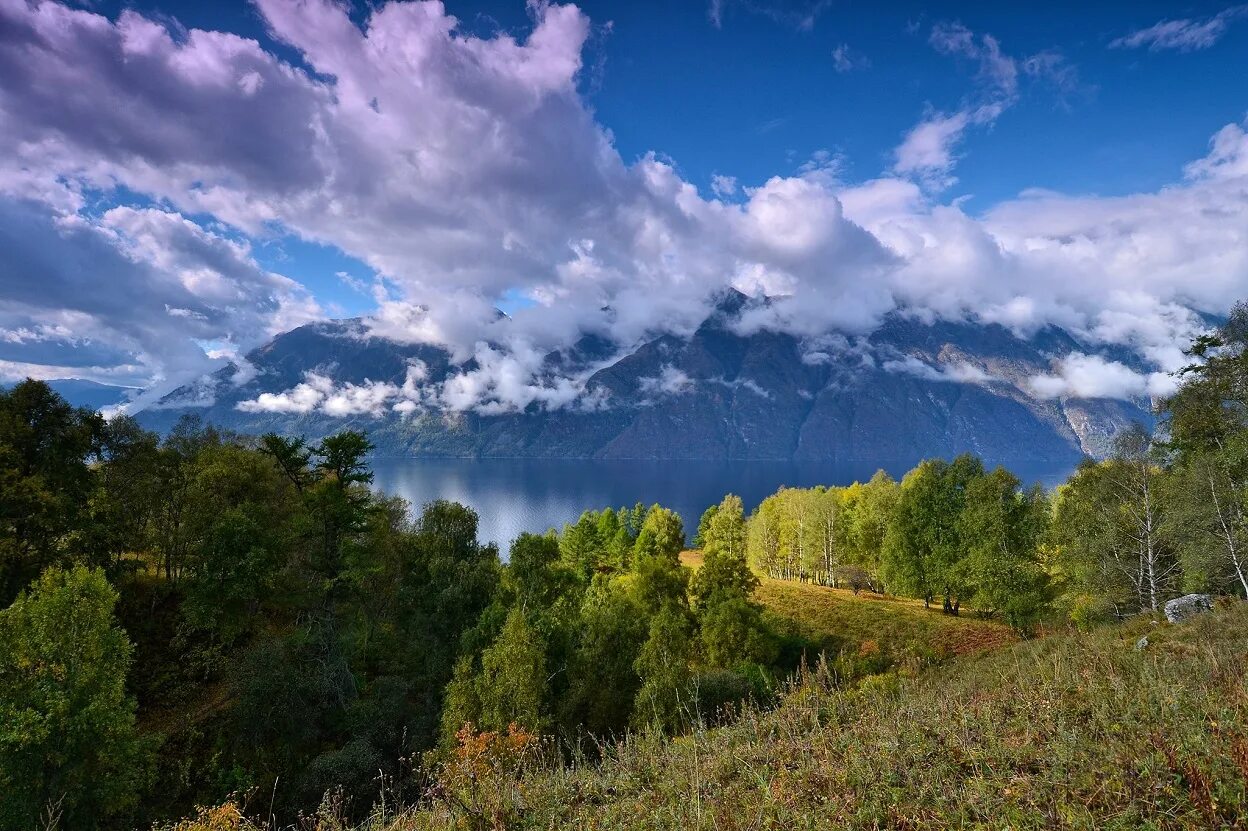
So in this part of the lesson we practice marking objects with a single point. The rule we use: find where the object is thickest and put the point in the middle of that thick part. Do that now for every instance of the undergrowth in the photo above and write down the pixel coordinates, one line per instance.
(1068, 731)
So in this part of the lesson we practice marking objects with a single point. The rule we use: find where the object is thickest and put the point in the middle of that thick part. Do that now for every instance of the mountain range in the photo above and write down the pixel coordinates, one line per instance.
(908, 390)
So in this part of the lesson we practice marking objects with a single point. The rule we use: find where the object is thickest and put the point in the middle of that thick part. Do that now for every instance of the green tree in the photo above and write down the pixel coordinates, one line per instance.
(922, 547)
(659, 576)
(45, 480)
(704, 523)
(1207, 423)
(1209, 520)
(1001, 527)
(69, 750)
(513, 683)
(763, 534)
(731, 632)
(604, 682)
(724, 572)
(581, 546)
(663, 667)
(1109, 527)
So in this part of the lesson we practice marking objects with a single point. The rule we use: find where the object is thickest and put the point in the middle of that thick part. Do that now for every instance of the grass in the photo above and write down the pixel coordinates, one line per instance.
(1078, 731)
(832, 620)
(1069, 731)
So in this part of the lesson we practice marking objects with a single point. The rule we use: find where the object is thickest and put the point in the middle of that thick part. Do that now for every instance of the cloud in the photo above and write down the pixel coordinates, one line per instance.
(845, 59)
(669, 381)
(1183, 35)
(1091, 376)
(463, 168)
(960, 372)
(796, 14)
(928, 151)
(723, 186)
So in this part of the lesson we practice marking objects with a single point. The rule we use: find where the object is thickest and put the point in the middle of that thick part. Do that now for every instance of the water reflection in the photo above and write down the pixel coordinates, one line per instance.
(516, 495)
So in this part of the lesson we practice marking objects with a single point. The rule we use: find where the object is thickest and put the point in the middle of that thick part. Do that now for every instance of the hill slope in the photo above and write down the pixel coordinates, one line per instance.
(833, 620)
(1074, 731)
(1069, 731)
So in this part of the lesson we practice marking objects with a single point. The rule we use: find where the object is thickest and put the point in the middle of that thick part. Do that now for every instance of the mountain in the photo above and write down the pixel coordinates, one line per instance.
(908, 390)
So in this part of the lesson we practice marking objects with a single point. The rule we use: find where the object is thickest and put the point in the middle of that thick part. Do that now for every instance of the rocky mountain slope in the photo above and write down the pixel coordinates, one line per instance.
(910, 389)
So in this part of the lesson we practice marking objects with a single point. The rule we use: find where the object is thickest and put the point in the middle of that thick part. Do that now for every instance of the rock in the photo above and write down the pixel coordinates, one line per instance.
(1181, 608)
(1141, 643)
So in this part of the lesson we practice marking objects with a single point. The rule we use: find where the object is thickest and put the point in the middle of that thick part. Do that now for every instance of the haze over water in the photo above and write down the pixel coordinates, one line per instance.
(512, 496)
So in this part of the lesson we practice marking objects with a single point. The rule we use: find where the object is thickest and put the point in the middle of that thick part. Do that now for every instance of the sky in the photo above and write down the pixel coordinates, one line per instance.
(180, 181)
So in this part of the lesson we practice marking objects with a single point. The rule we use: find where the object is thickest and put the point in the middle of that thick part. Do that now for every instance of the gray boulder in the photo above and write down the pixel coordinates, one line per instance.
(1189, 605)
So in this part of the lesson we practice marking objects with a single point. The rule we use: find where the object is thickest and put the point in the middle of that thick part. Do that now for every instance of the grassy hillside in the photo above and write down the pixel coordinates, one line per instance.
(1069, 731)
(836, 619)
(1075, 731)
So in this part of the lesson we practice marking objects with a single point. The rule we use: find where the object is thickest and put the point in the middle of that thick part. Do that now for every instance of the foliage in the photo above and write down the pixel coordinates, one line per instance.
(1161, 742)
(288, 632)
(69, 750)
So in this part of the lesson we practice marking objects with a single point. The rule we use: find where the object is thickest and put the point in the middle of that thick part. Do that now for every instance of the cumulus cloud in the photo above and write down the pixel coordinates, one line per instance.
(320, 393)
(1092, 376)
(462, 168)
(1182, 35)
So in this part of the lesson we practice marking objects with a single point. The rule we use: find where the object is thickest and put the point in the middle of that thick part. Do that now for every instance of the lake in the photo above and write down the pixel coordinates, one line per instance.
(516, 495)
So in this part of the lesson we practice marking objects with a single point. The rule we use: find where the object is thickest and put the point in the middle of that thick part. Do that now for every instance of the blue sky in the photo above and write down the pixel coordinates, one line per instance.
(758, 92)
(242, 168)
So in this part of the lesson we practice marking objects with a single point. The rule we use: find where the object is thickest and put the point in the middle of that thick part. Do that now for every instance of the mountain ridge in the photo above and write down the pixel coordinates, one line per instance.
(907, 390)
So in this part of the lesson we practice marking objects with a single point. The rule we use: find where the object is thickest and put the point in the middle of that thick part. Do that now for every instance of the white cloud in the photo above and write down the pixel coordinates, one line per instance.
(723, 186)
(960, 372)
(1091, 376)
(461, 168)
(669, 381)
(1183, 35)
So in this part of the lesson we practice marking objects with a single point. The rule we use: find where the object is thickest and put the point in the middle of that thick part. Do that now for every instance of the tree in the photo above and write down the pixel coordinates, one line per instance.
(1001, 527)
(764, 537)
(603, 682)
(1109, 525)
(663, 666)
(45, 480)
(724, 572)
(1207, 423)
(581, 546)
(871, 510)
(922, 547)
(823, 554)
(732, 632)
(69, 750)
(124, 502)
(512, 685)
(704, 523)
(659, 576)
(1209, 521)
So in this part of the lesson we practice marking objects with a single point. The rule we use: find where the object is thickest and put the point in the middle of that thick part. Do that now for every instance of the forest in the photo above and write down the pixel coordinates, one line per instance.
(201, 616)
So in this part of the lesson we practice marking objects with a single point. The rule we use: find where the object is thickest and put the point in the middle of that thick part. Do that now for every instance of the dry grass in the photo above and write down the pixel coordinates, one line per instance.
(833, 620)
(1072, 731)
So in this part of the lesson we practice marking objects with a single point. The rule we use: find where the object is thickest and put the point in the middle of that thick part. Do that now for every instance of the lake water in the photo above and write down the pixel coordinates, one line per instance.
(516, 495)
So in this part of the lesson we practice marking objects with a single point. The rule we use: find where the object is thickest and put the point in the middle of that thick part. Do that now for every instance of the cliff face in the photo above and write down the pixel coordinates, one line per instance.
(907, 391)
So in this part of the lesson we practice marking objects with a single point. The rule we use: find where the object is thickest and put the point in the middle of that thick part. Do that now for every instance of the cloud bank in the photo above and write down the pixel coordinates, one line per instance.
(140, 165)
